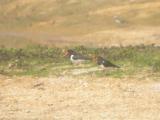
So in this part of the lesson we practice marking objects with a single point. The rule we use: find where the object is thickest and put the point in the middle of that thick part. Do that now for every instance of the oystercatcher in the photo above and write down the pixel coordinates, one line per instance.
(105, 63)
(76, 58)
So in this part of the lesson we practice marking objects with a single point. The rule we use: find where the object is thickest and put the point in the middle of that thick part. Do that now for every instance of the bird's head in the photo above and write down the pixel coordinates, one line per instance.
(96, 58)
(69, 52)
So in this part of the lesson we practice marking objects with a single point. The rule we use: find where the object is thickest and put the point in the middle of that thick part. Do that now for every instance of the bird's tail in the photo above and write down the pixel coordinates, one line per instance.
(115, 66)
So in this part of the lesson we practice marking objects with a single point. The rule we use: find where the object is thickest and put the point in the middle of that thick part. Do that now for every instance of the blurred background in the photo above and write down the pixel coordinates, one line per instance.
(79, 22)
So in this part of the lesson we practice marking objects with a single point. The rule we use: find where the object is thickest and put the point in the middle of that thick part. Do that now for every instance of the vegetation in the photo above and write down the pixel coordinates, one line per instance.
(45, 61)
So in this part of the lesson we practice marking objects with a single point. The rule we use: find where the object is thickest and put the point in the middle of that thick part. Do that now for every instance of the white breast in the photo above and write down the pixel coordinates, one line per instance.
(78, 61)
(71, 58)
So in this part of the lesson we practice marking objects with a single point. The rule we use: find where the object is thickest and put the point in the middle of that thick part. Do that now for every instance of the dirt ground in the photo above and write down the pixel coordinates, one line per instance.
(79, 98)
(118, 37)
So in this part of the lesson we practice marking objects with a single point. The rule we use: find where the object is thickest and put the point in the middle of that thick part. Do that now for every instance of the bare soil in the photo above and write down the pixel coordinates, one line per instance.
(79, 98)
(106, 38)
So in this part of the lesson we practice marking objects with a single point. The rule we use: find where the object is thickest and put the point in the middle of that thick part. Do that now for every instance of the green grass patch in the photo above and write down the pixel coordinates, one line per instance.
(45, 61)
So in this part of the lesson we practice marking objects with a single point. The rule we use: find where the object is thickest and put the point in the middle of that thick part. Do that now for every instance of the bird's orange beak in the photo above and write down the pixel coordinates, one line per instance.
(66, 53)
(94, 58)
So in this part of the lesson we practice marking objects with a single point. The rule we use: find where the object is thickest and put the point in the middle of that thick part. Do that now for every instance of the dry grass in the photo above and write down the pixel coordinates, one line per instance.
(72, 22)
(104, 38)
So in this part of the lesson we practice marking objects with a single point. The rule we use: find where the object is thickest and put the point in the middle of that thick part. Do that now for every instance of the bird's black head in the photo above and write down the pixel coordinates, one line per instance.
(99, 60)
(70, 52)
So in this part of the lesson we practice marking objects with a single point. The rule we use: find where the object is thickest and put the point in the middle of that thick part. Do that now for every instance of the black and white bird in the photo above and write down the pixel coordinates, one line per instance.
(103, 63)
(76, 58)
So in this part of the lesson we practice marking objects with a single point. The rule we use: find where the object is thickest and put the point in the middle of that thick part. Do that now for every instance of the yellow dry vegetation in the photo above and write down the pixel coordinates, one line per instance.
(73, 22)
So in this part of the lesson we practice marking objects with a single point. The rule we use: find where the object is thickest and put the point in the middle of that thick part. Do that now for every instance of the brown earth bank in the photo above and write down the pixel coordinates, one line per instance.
(106, 38)
(96, 23)
(79, 98)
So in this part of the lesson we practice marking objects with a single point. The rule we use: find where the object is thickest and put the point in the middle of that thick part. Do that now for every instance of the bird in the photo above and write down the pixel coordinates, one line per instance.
(76, 58)
(103, 63)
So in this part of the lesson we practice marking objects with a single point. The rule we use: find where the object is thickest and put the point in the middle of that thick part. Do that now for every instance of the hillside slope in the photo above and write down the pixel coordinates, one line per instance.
(78, 17)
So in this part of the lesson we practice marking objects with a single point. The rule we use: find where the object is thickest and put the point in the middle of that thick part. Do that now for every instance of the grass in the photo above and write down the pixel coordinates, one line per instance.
(45, 61)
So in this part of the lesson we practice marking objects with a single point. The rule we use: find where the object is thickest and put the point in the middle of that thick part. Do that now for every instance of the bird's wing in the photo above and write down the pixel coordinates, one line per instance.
(107, 63)
(79, 56)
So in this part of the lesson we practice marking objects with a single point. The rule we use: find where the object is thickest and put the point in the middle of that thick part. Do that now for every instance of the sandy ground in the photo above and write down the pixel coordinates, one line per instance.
(118, 37)
(79, 98)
